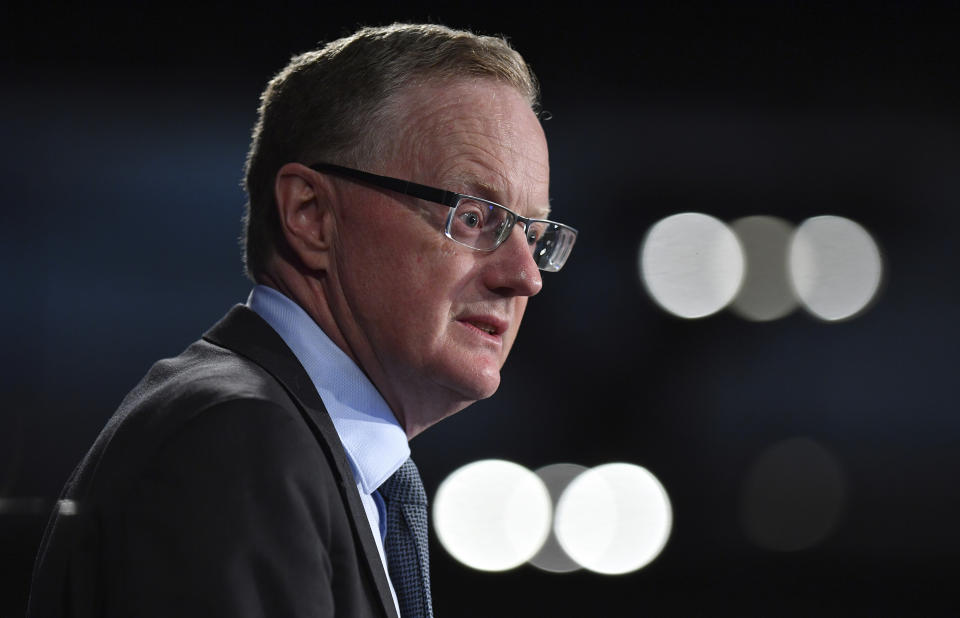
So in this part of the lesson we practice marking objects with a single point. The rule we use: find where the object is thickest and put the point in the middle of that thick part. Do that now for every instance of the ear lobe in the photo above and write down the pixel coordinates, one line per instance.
(306, 219)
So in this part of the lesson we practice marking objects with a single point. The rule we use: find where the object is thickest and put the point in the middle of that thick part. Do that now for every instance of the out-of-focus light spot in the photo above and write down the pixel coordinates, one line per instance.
(614, 518)
(23, 506)
(67, 507)
(766, 293)
(492, 515)
(692, 264)
(793, 496)
(551, 556)
(835, 267)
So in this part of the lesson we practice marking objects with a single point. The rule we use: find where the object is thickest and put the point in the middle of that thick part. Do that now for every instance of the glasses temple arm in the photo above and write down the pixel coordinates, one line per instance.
(413, 189)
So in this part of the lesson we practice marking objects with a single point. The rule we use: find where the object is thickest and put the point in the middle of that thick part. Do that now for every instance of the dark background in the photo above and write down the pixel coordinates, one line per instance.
(123, 135)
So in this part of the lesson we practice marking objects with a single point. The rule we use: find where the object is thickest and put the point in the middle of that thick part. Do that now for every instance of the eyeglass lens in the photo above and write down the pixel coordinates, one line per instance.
(484, 226)
(480, 225)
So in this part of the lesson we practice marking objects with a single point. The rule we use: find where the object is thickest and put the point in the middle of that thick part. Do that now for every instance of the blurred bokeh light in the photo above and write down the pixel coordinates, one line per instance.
(793, 496)
(614, 519)
(551, 556)
(835, 267)
(692, 264)
(766, 293)
(492, 515)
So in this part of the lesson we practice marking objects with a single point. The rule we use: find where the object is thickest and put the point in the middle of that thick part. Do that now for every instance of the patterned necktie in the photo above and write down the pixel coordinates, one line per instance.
(406, 544)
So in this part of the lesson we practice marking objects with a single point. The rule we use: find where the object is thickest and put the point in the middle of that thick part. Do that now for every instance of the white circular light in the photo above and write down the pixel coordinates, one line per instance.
(551, 557)
(692, 264)
(766, 293)
(835, 267)
(492, 515)
(793, 496)
(614, 518)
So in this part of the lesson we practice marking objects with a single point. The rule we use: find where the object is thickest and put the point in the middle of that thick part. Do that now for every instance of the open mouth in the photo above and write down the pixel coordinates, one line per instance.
(488, 325)
(487, 328)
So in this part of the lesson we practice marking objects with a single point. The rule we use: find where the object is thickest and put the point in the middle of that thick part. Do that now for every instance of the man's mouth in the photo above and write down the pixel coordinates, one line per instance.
(489, 325)
(485, 327)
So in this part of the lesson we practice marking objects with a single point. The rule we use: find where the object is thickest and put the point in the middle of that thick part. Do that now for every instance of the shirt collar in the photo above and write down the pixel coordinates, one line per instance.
(375, 443)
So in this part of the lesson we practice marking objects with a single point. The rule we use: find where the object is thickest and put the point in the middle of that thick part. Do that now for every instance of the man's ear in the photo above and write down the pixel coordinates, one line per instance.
(304, 205)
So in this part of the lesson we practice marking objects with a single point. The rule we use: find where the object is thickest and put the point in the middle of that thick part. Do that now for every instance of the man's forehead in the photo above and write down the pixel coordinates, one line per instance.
(477, 136)
(470, 109)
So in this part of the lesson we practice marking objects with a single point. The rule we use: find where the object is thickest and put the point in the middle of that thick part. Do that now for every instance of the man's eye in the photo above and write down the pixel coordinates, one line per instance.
(471, 219)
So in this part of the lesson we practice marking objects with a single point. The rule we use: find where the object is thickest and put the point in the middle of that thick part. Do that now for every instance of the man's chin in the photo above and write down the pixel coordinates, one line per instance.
(476, 386)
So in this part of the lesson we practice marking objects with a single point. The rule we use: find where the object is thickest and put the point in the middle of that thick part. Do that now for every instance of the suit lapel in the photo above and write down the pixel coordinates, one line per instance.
(247, 334)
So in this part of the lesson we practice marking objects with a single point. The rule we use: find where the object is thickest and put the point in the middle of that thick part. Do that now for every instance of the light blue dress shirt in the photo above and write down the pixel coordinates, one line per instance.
(375, 443)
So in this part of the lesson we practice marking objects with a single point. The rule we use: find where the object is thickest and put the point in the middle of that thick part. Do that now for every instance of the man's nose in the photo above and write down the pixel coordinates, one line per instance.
(512, 270)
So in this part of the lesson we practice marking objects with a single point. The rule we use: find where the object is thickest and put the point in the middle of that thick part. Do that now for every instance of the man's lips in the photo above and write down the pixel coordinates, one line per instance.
(491, 325)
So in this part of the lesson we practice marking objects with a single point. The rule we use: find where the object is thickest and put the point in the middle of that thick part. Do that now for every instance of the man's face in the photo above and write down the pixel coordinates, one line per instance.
(430, 321)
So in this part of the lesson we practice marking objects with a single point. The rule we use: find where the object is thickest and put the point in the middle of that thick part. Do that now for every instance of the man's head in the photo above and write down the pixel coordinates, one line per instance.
(335, 104)
(429, 320)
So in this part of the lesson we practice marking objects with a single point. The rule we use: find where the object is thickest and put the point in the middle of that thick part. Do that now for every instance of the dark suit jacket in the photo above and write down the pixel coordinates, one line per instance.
(219, 488)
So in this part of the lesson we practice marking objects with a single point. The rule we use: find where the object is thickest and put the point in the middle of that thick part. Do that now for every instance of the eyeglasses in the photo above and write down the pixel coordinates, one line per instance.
(475, 222)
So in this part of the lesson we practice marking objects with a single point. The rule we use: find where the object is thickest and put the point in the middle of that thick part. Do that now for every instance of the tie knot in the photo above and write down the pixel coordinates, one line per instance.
(404, 486)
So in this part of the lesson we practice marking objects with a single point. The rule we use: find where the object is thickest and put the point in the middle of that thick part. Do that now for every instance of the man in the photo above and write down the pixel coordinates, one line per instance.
(265, 471)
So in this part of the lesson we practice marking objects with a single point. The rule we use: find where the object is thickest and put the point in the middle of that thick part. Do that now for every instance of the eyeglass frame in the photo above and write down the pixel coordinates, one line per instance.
(450, 199)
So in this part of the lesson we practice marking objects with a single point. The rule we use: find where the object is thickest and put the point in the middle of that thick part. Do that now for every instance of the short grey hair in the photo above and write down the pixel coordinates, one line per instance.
(327, 104)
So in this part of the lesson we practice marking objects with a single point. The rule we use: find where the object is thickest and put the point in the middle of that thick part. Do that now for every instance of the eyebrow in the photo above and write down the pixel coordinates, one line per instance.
(494, 193)
(540, 212)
